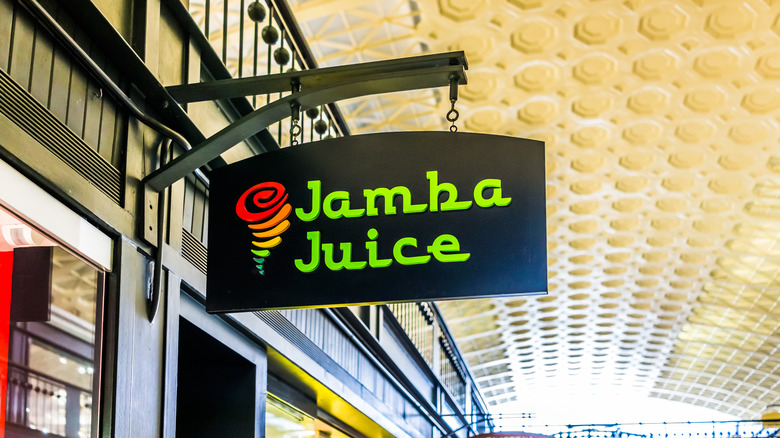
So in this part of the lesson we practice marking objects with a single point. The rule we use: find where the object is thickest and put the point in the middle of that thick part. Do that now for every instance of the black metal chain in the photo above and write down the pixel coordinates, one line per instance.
(295, 128)
(295, 131)
(453, 114)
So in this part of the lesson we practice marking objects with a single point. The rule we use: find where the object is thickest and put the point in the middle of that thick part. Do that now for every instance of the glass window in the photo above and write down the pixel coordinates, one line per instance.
(285, 421)
(49, 326)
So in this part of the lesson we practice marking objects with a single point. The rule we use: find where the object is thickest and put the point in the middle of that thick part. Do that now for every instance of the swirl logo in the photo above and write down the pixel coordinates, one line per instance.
(266, 209)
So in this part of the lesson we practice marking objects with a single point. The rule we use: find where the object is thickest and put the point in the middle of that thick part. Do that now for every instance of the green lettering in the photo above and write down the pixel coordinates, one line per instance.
(436, 189)
(389, 196)
(346, 258)
(314, 236)
(371, 246)
(316, 194)
(448, 243)
(343, 210)
(414, 260)
(495, 198)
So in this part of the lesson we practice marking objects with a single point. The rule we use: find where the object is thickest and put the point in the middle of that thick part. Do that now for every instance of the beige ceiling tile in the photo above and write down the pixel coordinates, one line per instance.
(661, 120)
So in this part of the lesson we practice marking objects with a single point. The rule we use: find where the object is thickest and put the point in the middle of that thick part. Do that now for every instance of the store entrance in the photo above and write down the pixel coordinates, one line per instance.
(216, 388)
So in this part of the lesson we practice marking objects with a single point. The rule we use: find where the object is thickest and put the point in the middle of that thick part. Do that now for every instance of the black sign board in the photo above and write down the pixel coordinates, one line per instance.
(408, 216)
(31, 284)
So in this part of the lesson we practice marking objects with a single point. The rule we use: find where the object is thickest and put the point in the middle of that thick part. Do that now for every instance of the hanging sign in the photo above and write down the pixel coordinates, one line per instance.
(407, 216)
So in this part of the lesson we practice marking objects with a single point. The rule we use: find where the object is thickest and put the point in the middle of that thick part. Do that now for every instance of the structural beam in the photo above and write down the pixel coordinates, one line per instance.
(309, 79)
(338, 87)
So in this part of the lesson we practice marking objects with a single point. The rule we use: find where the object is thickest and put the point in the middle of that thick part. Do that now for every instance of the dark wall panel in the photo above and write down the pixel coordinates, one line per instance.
(139, 353)
(74, 116)
(40, 77)
(198, 211)
(60, 84)
(21, 46)
(195, 211)
(112, 129)
(108, 127)
(195, 222)
(43, 67)
(93, 108)
(6, 22)
(189, 201)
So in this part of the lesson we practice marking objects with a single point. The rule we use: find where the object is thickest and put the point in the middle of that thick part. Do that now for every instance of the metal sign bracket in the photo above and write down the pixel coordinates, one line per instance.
(312, 88)
(318, 87)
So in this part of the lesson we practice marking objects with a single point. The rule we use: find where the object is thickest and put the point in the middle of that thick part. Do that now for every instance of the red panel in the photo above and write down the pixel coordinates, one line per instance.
(6, 264)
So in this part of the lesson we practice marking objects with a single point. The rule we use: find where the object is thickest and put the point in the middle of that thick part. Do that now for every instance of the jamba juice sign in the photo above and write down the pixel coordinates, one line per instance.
(378, 218)
(268, 220)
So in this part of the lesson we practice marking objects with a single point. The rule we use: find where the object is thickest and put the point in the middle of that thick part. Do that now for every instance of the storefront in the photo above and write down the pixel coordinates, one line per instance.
(53, 267)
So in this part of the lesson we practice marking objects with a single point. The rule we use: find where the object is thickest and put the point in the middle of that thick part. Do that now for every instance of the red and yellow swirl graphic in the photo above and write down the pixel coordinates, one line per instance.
(266, 208)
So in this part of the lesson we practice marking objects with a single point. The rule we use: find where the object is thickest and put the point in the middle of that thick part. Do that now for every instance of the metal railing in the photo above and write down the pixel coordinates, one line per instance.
(40, 402)
(234, 45)
(667, 429)
(252, 38)
(423, 326)
(417, 321)
(452, 373)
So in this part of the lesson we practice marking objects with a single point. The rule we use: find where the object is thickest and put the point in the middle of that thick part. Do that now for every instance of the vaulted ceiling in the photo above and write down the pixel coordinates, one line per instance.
(661, 121)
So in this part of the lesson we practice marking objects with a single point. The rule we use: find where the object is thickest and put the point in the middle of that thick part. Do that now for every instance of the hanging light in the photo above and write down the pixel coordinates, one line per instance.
(17, 235)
